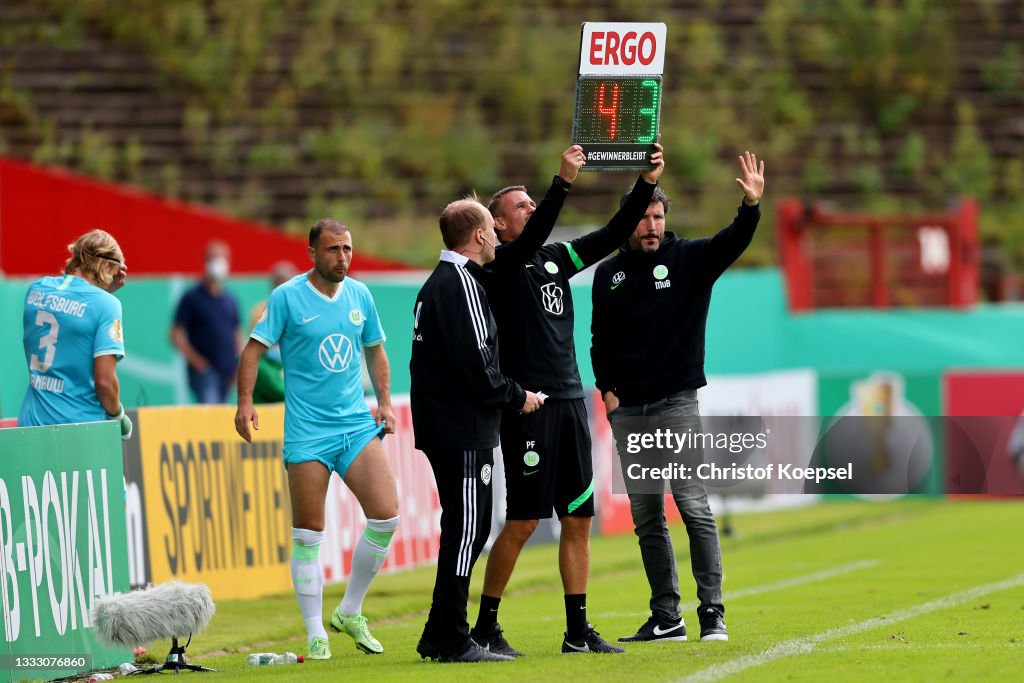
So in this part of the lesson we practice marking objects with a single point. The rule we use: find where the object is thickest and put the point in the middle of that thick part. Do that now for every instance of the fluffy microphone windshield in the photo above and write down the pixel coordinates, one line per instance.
(172, 609)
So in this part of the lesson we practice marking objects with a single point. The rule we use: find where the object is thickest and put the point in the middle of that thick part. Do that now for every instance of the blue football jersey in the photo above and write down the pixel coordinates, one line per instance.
(321, 342)
(68, 322)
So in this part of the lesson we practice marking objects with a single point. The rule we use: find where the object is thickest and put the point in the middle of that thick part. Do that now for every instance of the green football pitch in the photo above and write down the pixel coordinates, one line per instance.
(915, 590)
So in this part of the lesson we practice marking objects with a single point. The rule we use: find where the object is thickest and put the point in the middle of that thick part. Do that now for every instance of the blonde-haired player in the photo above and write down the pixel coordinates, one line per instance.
(74, 337)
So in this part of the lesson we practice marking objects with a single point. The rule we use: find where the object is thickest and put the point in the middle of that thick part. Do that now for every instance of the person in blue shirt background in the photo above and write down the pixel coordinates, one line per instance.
(205, 329)
(323, 323)
(73, 337)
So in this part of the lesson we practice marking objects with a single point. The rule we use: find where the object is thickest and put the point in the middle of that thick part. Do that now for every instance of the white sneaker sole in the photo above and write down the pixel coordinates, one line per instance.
(671, 639)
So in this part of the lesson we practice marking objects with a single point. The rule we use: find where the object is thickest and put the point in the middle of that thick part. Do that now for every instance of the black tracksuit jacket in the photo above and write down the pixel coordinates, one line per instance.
(651, 311)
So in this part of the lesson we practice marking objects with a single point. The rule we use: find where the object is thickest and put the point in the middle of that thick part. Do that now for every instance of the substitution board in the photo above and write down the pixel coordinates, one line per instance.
(618, 94)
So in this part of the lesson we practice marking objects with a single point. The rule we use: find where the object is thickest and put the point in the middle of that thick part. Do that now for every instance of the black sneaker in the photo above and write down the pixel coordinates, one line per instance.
(591, 642)
(427, 650)
(492, 640)
(712, 624)
(655, 629)
(475, 653)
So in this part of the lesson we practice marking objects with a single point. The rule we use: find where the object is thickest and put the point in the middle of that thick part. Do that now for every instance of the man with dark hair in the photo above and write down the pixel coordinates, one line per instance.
(650, 312)
(458, 392)
(325, 322)
(547, 455)
(205, 329)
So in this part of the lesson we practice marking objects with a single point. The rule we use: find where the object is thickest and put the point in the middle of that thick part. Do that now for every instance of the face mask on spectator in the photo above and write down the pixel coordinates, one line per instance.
(217, 268)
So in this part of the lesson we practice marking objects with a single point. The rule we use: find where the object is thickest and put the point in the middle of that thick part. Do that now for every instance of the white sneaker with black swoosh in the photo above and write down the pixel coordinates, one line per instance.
(656, 629)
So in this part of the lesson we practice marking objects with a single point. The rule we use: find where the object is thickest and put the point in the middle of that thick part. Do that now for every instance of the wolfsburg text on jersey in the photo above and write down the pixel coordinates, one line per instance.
(57, 304)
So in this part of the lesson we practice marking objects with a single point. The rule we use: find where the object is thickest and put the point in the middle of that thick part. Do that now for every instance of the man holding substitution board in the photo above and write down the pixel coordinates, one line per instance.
(547, 454)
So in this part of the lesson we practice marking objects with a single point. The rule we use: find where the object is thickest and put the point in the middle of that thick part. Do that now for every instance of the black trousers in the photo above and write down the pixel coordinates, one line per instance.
(464, 491)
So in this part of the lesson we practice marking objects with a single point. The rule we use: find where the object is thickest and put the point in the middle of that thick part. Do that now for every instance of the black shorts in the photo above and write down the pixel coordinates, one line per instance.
(548, 462)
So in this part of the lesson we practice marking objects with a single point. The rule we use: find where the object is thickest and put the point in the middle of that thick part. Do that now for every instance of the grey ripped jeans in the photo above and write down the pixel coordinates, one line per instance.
(679, 413)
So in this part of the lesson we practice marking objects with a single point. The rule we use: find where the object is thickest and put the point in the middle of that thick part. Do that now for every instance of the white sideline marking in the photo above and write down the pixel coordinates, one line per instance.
(729, 596)
(898, 647)
(798, 580)
(800, 646)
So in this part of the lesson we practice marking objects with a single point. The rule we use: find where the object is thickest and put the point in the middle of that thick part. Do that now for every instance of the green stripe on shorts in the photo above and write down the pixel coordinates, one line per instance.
(583, 498)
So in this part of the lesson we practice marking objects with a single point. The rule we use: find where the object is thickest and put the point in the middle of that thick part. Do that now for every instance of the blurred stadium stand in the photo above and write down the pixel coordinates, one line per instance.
(310, 102)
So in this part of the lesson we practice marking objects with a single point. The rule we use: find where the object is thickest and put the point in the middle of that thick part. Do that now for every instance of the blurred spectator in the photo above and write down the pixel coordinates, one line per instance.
(269, 387)
(280, 273)
(205, 329)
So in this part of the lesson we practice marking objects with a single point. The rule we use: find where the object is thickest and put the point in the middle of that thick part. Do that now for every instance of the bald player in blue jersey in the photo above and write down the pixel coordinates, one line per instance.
(73, 338)
(324, 322)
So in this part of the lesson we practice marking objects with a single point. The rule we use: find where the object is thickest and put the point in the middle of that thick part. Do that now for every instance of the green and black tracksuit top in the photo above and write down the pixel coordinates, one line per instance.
(533, 304)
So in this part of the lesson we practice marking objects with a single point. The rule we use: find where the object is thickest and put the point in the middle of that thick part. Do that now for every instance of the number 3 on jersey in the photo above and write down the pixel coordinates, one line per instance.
(48, 343)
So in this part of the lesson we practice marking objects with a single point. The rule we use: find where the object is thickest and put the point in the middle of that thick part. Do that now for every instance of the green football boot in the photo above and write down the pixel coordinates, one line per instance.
(355, 626)
(319, 648)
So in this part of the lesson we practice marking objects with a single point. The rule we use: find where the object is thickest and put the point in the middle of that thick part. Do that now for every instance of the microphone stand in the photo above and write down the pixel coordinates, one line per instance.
(175, 660)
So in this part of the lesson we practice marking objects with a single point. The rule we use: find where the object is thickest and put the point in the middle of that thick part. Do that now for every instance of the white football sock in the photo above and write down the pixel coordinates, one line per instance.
(308, 579)
(367, 559)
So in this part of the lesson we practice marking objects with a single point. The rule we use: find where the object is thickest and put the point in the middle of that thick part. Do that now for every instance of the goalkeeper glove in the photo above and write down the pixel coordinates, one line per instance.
(123, 421)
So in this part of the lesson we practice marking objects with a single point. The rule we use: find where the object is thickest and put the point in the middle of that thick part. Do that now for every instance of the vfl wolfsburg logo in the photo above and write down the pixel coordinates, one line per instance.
(531, 458)
(552, 298)
(356, 316)
(551, 267)
(660, 272)
(336, 352)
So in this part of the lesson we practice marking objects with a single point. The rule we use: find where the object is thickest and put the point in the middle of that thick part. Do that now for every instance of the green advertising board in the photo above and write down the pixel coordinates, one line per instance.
(915, 341)
(63, 545)
(893, 428)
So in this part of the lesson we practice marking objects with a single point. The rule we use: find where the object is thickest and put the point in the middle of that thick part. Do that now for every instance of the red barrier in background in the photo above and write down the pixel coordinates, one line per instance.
(44, 210)
(977, 455)
(850, 259)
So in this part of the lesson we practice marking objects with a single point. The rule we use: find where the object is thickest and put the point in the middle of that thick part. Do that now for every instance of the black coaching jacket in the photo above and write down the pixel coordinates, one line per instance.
(651, 311)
